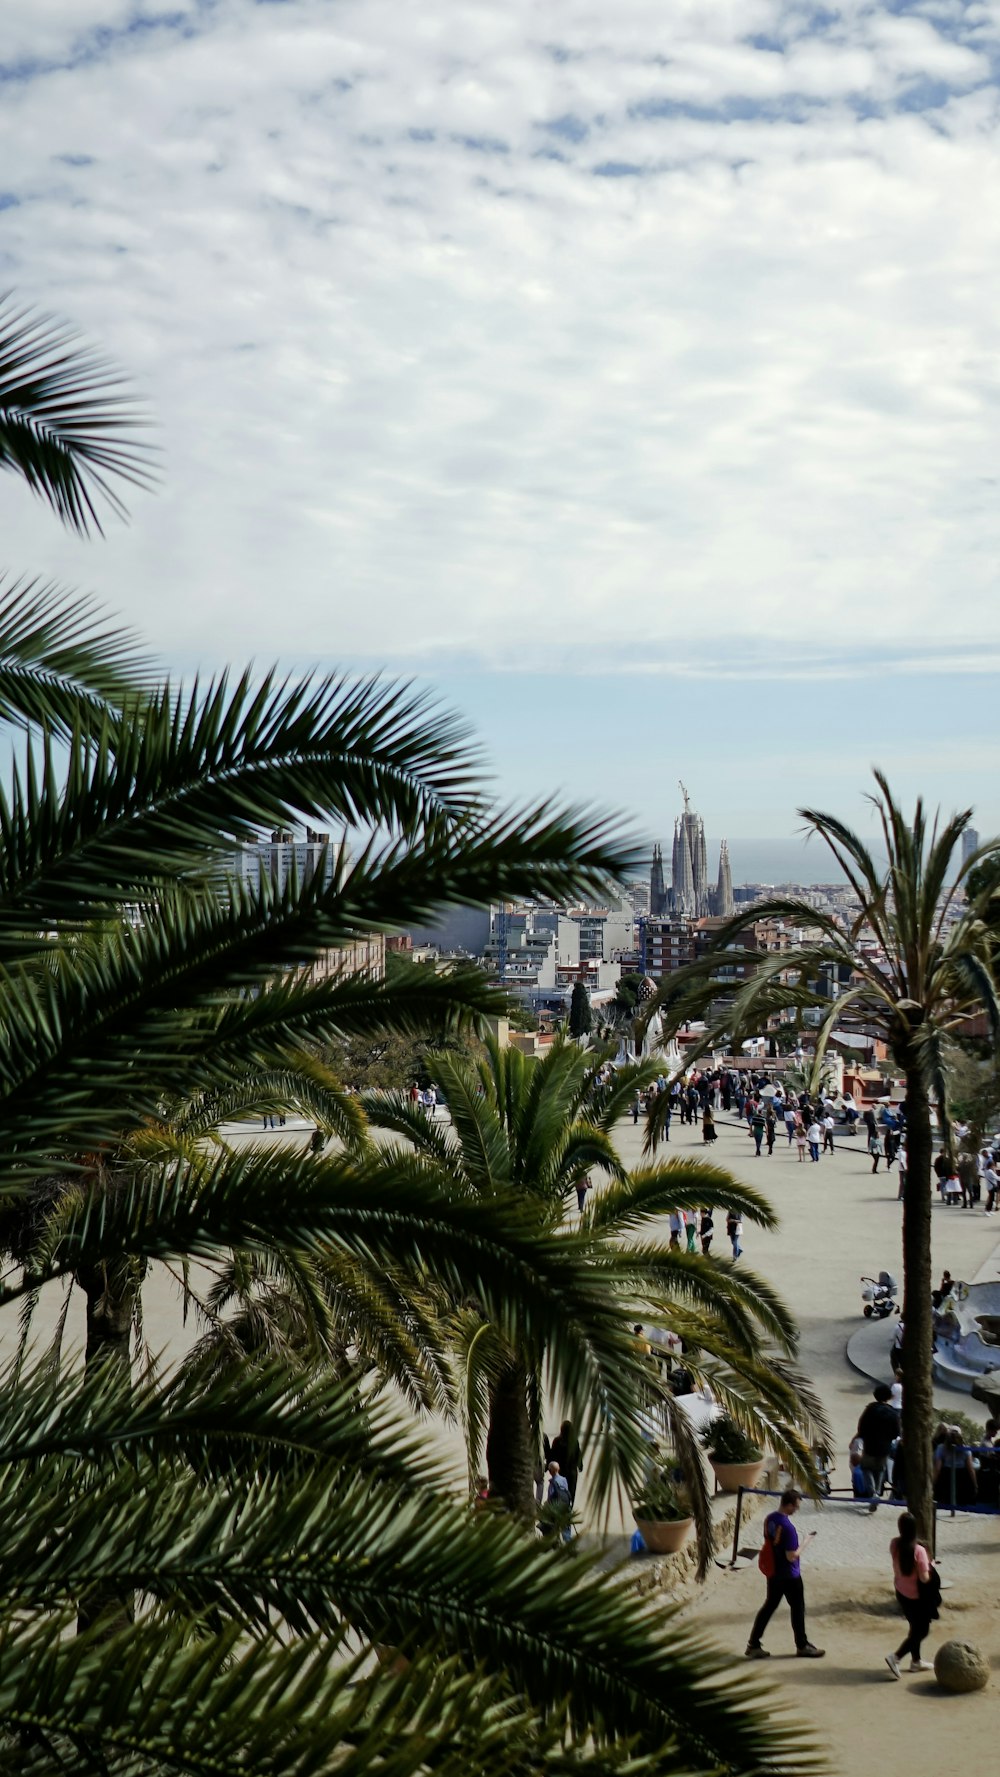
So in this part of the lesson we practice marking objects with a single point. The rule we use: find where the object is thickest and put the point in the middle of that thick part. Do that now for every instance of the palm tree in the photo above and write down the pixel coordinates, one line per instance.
(530, 1128)
(931, 970)
(275, 1522)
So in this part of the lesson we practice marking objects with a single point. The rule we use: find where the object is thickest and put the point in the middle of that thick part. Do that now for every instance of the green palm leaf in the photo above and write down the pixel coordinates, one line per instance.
(67, 426)
(60, 663)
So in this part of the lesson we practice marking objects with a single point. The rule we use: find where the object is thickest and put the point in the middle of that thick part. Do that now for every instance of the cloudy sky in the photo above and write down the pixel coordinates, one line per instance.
(631, 372)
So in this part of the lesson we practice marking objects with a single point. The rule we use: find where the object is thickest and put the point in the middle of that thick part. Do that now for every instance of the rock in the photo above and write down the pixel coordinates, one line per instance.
(959, 1666)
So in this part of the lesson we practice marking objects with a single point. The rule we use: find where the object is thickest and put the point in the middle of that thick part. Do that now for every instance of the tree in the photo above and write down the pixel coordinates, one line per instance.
(527, 1130)
(935, 972)
(626, 997)
(579, 1011)
(280, 1522)
(520, 1016)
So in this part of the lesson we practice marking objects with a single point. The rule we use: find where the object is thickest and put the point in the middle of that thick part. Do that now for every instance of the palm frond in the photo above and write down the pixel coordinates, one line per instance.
(406, 1571)
(67, 425)
(61, 664)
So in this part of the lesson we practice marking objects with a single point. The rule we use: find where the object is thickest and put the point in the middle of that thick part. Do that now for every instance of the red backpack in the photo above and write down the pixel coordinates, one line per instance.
(765, 1560)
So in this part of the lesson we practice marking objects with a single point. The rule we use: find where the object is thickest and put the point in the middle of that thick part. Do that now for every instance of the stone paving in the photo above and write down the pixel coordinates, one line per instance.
(835, 1221)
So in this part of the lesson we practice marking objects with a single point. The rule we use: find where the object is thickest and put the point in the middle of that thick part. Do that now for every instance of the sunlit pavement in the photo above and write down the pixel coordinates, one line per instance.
(835, 1221)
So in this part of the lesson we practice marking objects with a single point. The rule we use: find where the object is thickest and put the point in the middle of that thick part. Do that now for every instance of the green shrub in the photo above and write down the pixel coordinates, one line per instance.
(726, 1441)
(663, 1500)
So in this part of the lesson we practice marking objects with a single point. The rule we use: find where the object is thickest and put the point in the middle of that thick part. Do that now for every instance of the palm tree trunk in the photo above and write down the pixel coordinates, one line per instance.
(510, 1446)
(918, 1380)
(110, 1292)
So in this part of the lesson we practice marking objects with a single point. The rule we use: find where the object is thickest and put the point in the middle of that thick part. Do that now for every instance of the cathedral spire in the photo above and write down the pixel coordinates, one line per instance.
(657, 891)
(724, 905)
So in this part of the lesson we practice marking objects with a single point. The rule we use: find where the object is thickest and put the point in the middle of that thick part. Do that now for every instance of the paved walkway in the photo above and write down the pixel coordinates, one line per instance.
(836, 1222)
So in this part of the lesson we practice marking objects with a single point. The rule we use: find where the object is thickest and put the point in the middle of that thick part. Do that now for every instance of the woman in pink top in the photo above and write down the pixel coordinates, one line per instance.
(911, 1570)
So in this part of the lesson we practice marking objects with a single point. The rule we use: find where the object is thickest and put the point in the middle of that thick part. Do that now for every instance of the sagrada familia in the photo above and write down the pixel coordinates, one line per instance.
(690, 895)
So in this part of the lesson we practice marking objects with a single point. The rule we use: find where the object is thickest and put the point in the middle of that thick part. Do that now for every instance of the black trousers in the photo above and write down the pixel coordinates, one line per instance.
(777, 1589)
(915, 1612)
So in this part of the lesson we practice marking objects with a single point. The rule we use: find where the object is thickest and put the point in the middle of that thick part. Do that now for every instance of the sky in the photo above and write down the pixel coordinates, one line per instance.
(631, 374)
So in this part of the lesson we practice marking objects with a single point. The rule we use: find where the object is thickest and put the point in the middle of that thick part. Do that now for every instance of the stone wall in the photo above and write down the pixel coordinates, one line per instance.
(673, 1576)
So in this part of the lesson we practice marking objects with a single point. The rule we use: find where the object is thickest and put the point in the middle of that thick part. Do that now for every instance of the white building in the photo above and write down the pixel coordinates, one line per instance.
(278, 856)
(604, 933)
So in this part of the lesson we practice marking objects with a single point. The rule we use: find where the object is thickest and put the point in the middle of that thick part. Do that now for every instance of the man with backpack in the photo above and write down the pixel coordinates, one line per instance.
(779, 1562)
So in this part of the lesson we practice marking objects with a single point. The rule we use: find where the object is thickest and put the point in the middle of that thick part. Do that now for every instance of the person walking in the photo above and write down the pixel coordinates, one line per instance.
(565, 1450)
(582, 1187)
(780, 1561)
(789, 1115)
(706, 1230)
(874, 1149)
(558, 1501)
(636, 1108)
(901, 1163)
(677, 1226)
(814, 1136)
(991, 1179)
(770, 1129)
(692, 1229)
(734, 1228)
(916, 1594)
(757, 1127)
(800, 1138)
(878, 1429)
(828, 1128)
(708, 1131)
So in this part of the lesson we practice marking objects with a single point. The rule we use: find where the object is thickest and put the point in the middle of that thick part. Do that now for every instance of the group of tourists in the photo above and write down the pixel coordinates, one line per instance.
(691, 1227)
(426, 1097)
(810, 1122)
(963, 1180)
(964, 1474)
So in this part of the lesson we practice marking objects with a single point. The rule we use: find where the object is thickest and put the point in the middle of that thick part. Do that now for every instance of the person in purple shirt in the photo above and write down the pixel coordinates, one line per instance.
(785, 1581)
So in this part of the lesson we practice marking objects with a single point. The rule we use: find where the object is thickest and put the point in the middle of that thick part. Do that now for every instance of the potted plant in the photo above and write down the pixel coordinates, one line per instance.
(735, 1458)
(663, 1514)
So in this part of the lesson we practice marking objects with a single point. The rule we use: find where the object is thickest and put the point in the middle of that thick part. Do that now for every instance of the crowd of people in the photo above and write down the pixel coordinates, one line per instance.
(964, 1178)
(964, 1474)
(810, 1122)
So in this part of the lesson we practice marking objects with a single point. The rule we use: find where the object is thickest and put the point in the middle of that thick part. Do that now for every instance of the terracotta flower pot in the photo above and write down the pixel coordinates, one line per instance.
(733, 1475)
(663, 1536)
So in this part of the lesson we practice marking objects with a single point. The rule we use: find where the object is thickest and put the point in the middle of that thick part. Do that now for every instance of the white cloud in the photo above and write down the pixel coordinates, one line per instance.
(434, 372)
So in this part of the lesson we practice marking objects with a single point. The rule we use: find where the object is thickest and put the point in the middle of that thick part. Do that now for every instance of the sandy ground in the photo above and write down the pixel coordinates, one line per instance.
(836, 1221)
(859, 1713)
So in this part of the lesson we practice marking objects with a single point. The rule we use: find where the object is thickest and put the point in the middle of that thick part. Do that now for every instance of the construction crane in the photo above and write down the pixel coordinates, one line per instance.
(501, 935)
(687, 799)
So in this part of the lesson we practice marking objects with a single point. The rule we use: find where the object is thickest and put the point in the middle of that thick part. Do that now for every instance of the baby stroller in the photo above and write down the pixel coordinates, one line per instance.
(879, 1296)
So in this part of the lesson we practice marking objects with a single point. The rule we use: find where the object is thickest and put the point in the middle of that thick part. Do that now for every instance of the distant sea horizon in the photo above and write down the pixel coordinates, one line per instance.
(772, 860)
(778, 860)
